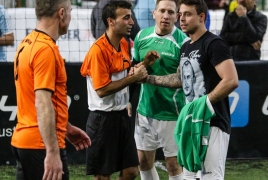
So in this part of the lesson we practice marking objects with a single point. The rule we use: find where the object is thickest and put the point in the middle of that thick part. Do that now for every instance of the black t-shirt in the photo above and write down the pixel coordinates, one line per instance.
(199, 76)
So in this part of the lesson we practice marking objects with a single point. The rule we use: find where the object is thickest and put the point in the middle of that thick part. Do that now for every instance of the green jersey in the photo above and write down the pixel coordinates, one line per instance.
(154, 101)
(192, 133)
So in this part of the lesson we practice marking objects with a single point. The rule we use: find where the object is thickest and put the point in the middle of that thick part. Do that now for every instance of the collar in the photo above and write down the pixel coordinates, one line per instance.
(119, 49)
(37, 30)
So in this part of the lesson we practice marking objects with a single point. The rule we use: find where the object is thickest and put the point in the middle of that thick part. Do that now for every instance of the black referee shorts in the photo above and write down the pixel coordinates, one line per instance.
(113, 147)
(30, 163)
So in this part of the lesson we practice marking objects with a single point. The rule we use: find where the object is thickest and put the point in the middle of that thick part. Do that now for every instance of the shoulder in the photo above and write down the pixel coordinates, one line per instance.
(146, 32)
(42, 41)
(179, 32)
(213, 43)
(217, 48)
(180, 36)
(210, 37)
(260, 15)
(100, 44)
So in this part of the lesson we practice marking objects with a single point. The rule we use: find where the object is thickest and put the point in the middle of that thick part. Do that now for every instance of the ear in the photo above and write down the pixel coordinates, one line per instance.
(110, 22)
(154, 11)
(61, 13)
(202, 17)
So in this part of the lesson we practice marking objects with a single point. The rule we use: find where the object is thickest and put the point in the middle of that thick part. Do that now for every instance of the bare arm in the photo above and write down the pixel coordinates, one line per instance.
(140, 73)
(47, 126)
(170, 80)
(7, 39)
(229, 82)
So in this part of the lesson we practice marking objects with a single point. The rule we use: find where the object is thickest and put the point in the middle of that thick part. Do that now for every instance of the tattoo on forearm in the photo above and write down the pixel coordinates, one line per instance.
(171, 80)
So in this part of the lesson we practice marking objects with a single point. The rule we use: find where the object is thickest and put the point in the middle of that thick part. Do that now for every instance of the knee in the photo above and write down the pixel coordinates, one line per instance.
(146, 164)
(131, 173)
(173, 168)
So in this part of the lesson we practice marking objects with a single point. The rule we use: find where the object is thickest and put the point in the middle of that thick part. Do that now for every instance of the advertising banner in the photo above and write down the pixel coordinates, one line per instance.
(250, 111)
(248, 106)
(77, 102)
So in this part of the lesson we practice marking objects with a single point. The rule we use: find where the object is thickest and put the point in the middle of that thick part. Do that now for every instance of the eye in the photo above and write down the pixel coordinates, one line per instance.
(171, 12)
(126, 17)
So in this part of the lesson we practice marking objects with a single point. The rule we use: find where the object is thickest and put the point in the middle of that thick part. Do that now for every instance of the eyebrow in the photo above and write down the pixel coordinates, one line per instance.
(184, 12)
(166, 9)
(127, 16)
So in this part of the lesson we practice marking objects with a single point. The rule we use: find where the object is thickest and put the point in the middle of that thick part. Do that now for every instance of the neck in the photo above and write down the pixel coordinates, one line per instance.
(199, 32)
(160, 32)
(49, 26)
(114, 39)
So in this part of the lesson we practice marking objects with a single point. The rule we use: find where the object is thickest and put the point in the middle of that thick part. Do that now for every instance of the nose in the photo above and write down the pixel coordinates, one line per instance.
(181, 17)
(131, 21)
(166, 15)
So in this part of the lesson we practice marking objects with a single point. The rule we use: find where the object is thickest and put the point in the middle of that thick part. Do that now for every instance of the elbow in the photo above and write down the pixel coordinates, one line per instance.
(10, 39)
(101, 94)
(11, 42)
(234, 84)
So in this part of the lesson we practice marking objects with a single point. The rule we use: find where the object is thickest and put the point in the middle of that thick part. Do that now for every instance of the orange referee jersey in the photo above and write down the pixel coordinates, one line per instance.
(102, 65)
(103, 60)
(38, 65)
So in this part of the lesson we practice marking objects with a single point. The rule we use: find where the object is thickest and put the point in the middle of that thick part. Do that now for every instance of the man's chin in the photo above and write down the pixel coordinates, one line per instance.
(63, 32)
(184, 30)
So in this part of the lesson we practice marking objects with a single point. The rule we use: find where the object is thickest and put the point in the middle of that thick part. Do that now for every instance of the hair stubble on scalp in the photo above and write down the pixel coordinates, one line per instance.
(200, 5)
(47, 8)
(109, 10)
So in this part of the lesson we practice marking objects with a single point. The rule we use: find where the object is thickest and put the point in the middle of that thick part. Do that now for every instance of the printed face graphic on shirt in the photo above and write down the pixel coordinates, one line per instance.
(191, 76)
(188, 77)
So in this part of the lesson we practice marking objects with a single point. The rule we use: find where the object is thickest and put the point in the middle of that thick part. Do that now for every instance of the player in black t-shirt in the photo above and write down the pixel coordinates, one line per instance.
(214, 74)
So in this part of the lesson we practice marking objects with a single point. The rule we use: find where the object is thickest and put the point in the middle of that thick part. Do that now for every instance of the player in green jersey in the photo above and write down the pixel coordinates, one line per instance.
(159, 107)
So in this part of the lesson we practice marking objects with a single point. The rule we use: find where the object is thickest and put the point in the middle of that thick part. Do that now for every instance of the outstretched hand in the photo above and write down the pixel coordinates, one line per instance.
(131, 70)
(150, 58)
(140, 73)
(77, 137)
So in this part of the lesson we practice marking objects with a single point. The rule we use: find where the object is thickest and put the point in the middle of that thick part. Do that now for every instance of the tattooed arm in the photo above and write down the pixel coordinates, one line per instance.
(170, 80)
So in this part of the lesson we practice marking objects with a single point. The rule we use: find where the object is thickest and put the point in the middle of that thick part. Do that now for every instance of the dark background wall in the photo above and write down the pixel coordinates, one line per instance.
(249, 108)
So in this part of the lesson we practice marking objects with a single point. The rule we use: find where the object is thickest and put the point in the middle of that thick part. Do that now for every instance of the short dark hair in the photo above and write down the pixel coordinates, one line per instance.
(109, 10)
(47, 8)
(200, 5)
(175, 1)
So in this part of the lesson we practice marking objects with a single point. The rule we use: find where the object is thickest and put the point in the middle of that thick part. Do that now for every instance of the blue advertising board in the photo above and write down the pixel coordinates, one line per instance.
(239, 105)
